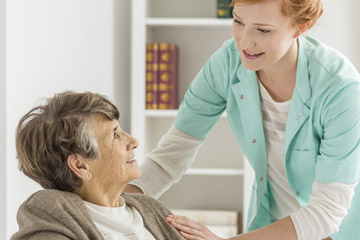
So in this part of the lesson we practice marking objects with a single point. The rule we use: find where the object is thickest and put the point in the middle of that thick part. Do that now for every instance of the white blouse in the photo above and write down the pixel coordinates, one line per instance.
(121, 223)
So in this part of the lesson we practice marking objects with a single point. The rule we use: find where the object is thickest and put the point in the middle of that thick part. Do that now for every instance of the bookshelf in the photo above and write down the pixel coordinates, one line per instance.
(219, 178)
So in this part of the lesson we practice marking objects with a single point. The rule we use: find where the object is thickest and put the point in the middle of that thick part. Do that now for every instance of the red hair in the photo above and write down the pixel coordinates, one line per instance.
(302, 11)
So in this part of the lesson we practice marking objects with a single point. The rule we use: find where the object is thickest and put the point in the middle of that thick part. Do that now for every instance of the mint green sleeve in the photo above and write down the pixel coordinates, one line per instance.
(205, 100)
(339, 153)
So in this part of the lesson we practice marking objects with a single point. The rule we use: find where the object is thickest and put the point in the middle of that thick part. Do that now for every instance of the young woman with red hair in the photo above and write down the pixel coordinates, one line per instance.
(294, 107)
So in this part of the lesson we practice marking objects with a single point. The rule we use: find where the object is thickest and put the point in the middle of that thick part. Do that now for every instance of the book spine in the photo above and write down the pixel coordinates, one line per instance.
(223, 9)
(152, 75)
(210, 217)
(168, 76)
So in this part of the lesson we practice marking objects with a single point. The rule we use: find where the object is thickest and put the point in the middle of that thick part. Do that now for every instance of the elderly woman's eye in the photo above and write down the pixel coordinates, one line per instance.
(116, 135)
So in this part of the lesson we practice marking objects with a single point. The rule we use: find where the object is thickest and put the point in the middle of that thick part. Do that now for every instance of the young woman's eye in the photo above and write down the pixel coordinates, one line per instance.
(239, 22)
(263, 30)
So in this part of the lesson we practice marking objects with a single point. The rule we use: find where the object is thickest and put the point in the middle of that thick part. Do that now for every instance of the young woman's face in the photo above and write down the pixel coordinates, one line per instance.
(263, 34)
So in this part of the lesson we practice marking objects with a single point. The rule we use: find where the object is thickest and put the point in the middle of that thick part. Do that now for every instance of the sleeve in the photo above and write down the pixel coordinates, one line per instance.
(205, 100)
(167, 162)
(327, 207)
(203, 105)
(339, 158)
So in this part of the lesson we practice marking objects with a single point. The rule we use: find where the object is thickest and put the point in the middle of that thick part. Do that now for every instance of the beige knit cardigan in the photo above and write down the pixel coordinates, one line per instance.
(58, 215)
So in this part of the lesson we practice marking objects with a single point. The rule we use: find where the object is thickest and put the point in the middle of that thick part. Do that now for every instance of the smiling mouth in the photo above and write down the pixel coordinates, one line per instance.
(252, 56)
(131, 160)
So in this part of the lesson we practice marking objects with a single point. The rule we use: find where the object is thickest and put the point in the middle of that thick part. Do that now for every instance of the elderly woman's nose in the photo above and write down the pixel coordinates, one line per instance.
(135, 142)
(132, 142)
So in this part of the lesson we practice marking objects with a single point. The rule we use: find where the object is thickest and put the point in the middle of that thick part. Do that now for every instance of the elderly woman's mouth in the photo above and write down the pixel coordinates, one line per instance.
(131, 161)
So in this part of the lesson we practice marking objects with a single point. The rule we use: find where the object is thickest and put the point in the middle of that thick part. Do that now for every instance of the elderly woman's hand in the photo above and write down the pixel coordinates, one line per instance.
(190, 229)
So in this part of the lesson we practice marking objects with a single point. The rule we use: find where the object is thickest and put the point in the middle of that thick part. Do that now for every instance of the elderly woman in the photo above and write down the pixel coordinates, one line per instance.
(74, 147)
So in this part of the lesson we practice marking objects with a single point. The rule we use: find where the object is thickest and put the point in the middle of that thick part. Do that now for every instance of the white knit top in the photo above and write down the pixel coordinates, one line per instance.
(121, 223)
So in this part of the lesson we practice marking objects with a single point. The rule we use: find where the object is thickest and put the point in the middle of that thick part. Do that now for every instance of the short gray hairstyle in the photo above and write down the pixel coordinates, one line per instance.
(49, 133)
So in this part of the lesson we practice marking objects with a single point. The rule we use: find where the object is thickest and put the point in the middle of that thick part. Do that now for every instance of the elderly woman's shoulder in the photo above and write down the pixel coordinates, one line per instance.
(50, 198)
(137, 197)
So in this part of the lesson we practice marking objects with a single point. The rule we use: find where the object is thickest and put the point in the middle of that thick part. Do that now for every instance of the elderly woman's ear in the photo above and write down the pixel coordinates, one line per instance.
(80, 167)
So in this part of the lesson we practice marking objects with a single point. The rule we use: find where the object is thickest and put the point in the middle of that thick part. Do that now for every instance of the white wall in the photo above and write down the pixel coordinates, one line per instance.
(339, 28)
(122, 59)
(57, 45)
(355, 48)
(2, 122)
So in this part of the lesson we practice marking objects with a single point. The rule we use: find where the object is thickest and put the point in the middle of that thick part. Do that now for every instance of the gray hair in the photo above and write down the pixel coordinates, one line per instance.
(49, 133)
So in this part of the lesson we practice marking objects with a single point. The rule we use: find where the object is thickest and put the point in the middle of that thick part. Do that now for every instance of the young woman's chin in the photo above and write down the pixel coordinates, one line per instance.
(251, 67)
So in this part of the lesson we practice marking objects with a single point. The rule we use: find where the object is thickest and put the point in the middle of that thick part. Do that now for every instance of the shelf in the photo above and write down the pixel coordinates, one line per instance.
(160, 113)
(215, 171)
(166, 113)
(174, 22)
(189, 22)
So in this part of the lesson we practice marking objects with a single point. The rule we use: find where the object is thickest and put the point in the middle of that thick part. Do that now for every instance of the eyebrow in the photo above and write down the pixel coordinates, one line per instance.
(257, 24)
(115, 129)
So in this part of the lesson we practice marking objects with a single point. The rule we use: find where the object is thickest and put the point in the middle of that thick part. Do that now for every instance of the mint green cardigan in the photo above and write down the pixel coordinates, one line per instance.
(322, 137)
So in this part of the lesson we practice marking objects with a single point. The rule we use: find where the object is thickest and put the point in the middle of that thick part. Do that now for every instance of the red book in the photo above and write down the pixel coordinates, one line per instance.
(167, 93)
(152, 75)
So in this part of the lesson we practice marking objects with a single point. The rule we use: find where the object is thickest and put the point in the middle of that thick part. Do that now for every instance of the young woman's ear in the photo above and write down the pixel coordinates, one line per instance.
(79, 166)
(302, 28)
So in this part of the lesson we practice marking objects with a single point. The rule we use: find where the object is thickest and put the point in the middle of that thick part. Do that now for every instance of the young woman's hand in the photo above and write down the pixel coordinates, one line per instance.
(190, 229)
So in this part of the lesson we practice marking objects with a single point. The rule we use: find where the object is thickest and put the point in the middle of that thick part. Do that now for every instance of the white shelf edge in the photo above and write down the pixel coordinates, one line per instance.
(215, 171)
(203, 22)
(160, 113)
(166, 113)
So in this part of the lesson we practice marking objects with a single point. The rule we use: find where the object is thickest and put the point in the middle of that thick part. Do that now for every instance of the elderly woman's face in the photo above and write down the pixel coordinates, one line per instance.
(116, 164)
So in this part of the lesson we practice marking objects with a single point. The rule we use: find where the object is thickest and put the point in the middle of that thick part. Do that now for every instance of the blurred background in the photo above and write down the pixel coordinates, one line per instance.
(48, 46)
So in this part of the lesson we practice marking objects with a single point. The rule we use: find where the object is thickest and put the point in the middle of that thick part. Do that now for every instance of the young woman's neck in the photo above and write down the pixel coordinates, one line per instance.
(284, 70)
(280, 79)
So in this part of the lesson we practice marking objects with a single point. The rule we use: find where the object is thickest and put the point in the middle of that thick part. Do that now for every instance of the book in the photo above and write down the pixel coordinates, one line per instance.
(152, 75)
(167, 91)
(210, 217)
(223, 9)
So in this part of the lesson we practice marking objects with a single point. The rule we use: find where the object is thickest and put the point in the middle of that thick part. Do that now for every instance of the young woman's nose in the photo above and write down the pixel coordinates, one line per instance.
(247, 41)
